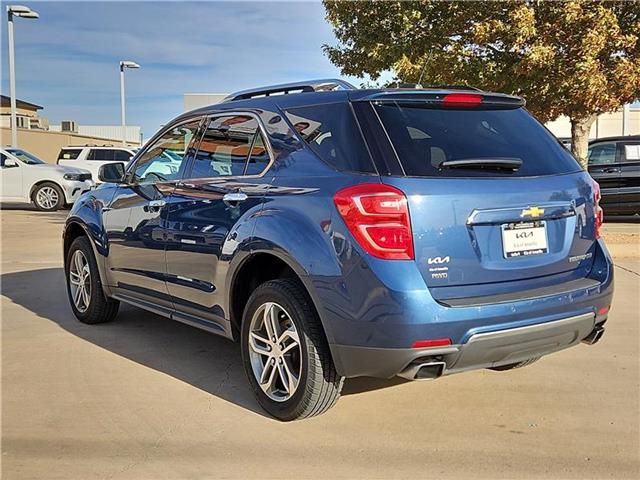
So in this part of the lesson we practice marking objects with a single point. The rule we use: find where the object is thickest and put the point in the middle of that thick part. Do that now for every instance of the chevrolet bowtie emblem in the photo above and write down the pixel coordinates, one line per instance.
(533, 212)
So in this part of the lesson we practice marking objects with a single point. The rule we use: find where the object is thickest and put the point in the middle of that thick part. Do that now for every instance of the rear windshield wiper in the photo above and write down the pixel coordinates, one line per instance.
(484, 163)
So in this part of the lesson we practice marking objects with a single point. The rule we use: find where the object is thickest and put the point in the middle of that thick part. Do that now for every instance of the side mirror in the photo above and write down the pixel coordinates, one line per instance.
(9, 163)
(111, 172)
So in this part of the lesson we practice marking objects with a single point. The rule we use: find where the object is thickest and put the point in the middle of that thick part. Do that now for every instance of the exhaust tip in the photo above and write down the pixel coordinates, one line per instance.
(423, 371)
(595, 336)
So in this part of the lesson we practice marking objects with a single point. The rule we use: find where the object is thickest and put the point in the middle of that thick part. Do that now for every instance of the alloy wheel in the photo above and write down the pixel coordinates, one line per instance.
(80, 281)
(47, 197)
(274, 351)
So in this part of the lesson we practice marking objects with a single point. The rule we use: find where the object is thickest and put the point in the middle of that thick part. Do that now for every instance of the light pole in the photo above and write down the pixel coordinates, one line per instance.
(124, 64)
(24, 12)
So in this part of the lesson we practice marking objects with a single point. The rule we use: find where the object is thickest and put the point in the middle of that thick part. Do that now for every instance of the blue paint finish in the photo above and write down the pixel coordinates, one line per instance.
(185, 256)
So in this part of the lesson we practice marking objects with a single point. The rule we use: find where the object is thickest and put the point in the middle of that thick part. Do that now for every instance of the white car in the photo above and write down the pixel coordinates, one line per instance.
(27, 179)
(92, 157)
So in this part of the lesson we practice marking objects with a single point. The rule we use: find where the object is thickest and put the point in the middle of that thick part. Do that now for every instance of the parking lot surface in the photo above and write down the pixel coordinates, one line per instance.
(147, 398)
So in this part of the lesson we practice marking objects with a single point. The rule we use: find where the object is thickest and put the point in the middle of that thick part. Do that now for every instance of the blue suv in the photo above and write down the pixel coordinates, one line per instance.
(337, 232)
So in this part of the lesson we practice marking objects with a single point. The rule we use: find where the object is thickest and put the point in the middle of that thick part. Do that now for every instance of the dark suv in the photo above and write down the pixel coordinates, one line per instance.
(614, 162)
(337, 232)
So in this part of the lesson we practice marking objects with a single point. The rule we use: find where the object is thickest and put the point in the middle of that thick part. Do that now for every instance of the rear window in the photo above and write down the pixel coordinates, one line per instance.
(425, 137)
(332, 133)
(69, 153)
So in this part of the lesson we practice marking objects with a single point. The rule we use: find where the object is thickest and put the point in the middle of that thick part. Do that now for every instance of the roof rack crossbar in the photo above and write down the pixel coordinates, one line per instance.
(326, 84)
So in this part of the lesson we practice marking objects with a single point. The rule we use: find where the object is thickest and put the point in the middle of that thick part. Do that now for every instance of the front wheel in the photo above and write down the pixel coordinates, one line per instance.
(84, 288)
(48, 197)
(285, 353)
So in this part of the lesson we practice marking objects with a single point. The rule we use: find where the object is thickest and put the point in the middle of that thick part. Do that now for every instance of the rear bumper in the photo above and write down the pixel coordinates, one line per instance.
(484, 331)
(482, 350)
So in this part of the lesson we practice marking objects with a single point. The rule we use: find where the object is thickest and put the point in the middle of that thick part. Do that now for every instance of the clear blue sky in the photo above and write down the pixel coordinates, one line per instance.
(67, 61)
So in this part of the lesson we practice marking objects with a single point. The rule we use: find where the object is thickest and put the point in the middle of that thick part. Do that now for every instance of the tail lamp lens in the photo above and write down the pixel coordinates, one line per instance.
(598, 213)
(377, 216)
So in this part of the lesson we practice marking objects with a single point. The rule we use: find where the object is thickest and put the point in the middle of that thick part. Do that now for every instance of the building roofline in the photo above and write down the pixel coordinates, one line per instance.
(6, 101)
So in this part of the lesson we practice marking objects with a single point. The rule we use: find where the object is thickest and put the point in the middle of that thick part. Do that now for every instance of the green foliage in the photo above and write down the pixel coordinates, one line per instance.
(577, 58)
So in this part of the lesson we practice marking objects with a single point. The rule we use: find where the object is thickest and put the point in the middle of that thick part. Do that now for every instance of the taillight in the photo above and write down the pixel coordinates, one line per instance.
(462, 100)
(598, 213)
(377, 216)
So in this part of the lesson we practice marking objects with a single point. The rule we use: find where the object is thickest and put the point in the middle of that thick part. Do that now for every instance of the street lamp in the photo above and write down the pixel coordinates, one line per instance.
(124, 64)
(24, 12)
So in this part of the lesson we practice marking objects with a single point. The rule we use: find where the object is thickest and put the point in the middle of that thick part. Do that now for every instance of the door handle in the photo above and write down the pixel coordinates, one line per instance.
(231, 199)
(611, 170)
(155, 205)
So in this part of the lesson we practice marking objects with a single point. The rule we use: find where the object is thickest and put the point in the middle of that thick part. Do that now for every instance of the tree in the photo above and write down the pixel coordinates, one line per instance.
(573, 58)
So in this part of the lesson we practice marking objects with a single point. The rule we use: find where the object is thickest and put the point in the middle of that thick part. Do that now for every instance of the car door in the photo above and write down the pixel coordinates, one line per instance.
(629, 154)
(11, 176)
(136, 217)
(211, 211)
(604, 167)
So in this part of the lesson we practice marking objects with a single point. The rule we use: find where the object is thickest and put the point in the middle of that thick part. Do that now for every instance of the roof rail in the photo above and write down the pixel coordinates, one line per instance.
(327, 84)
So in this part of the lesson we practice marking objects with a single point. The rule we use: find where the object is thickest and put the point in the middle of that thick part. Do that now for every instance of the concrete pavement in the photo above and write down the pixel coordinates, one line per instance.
(147, 398)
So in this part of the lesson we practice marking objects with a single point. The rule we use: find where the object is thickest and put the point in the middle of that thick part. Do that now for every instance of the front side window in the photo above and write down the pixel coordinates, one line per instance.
(230, 146)
(163, 160)
(602, 153)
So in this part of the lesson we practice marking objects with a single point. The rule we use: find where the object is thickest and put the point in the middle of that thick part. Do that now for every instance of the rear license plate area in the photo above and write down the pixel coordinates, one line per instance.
(523, 239)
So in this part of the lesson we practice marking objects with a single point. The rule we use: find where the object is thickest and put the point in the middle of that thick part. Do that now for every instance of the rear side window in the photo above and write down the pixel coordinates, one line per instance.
(632, 152)
(333, 134)
(230, 146)
(69, 153)
(108, 155)
(424, 137)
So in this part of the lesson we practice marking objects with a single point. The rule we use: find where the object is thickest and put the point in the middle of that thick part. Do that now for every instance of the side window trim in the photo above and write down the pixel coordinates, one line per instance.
(140, 153)
(261, 130)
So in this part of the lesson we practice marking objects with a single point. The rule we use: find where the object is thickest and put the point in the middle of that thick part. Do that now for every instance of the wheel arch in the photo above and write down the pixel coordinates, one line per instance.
(73, 229)
(257, 267)
(34, 187)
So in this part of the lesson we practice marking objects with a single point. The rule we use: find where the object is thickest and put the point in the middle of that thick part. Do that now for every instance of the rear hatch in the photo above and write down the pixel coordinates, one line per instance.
(493, 197)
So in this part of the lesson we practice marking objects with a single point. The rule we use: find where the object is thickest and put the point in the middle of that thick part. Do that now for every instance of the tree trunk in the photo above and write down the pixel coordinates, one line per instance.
(580, 128)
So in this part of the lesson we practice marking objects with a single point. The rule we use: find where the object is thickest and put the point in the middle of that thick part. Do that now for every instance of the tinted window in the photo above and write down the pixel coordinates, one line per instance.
(259, 157)
(163, 160)
(225, 147)
(69, 153)
(108, 155)
(332, 133)
(3, 157)
(426, 137)
(602, 153)
(121, 156)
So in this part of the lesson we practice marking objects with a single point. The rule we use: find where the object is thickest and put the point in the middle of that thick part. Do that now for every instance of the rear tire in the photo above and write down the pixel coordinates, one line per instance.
(299, 379)
(511, 366)
(87, 299)
(48, 197)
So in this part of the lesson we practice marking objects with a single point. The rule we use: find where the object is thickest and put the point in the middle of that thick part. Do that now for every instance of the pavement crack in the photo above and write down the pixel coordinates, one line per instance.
(628, 270)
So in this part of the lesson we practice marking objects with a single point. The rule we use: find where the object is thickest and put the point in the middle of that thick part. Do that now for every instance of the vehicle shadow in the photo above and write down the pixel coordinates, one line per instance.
(196, 357)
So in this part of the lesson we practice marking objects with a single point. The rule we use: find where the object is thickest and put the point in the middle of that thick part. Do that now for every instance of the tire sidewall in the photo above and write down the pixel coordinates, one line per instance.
(82, 244)
(269, 293)
(57, 206)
